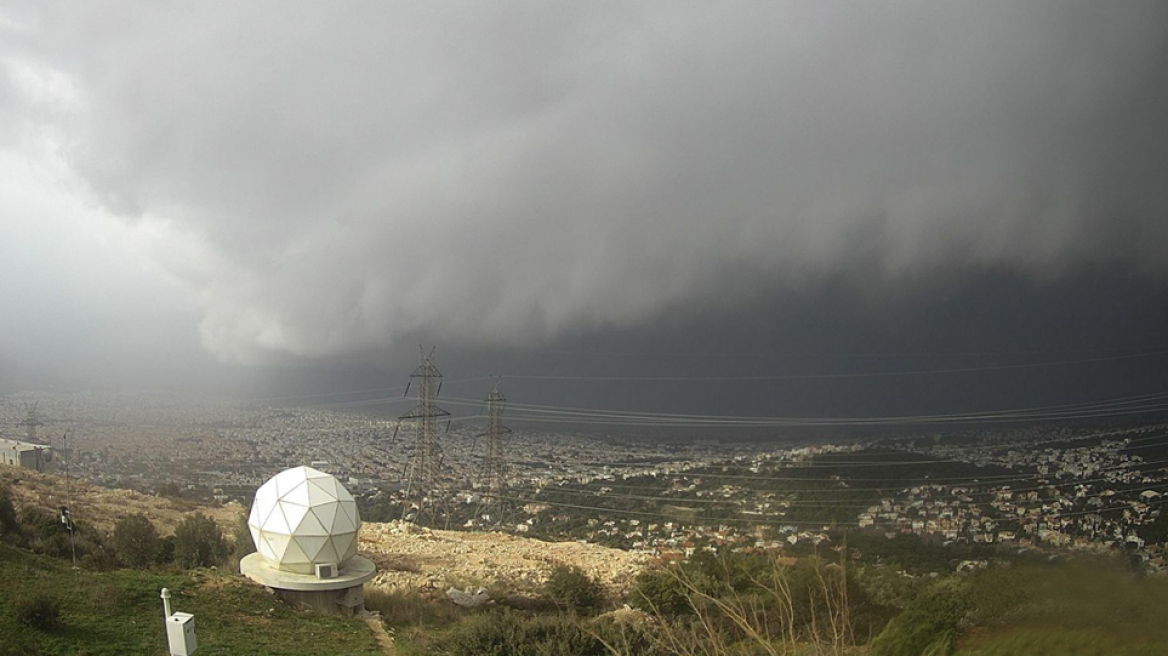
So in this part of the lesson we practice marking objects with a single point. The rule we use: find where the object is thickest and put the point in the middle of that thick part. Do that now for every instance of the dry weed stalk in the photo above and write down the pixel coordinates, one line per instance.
(772, 628)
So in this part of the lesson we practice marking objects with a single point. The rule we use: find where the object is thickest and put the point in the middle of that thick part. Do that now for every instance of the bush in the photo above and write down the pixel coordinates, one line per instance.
(41, 612)
(8, 521)
(165, 550)
(509, 633)
(40, 523)
(136, 541)
(571, 588)
(660, 592)
(929, 625)
(198, 542)
(98, 559)
(242, 544)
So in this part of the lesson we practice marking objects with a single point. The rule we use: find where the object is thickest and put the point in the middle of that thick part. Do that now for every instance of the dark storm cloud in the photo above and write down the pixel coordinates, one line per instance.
(326, 179)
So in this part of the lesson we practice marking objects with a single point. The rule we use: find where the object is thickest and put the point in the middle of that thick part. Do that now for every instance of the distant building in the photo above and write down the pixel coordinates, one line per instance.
(25, 454)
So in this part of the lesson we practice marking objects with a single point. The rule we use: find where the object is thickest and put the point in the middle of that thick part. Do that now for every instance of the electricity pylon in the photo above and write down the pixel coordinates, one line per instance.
(495, 465)
(424, 476)
(31, 420)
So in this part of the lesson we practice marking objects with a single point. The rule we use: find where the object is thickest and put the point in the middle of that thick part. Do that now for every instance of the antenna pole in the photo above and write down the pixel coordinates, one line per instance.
(69, 499)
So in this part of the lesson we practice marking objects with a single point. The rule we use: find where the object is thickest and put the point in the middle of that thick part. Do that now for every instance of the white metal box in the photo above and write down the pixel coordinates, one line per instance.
(180, 633)
(326, 570)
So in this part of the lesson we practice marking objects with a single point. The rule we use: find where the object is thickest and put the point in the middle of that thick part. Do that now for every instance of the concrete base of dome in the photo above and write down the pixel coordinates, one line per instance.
(343, 594)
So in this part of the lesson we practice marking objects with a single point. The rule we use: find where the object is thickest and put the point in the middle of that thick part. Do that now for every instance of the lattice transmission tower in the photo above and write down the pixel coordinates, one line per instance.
(31, 421)
(495, 463)
(424, 477)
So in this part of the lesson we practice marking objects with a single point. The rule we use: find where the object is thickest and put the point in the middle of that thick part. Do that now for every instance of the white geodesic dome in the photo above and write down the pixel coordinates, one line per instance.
(303, 517)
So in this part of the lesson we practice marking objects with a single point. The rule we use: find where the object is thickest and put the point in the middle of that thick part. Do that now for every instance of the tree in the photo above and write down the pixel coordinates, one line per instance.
(198, 542)
(136, 541)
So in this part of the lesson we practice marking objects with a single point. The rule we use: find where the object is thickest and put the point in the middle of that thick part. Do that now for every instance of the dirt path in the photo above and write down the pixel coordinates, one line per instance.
(383, 638)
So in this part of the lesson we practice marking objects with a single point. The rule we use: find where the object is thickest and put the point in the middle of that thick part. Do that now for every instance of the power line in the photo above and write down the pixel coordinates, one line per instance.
(1141, 404)
(870, 374)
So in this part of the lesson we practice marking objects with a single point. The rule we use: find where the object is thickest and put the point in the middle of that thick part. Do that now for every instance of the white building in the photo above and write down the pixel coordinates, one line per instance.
(26, 454)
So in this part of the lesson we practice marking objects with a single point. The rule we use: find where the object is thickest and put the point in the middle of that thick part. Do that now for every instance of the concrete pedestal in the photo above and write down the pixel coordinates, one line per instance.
(342, 595)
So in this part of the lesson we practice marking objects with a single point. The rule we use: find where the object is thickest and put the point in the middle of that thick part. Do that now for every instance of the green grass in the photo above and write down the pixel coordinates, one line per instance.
(119, 612)
(1077, 609)
(1062, 641)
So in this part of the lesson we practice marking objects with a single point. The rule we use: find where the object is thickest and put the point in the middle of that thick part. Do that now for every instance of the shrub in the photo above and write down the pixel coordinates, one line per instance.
(198, 542)
(929, 625)
(165, 550)
(99, 559)
(506, 632)
(41, 612)
(8, 521)
(660, 592)
(571, 588)
(136, 541)
(40, 523)
(242, 544)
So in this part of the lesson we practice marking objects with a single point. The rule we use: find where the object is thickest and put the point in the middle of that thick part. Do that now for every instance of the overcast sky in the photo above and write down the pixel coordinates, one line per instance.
(194, 190)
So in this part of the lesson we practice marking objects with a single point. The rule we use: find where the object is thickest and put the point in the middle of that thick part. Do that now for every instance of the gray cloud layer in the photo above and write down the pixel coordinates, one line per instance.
(324, 180)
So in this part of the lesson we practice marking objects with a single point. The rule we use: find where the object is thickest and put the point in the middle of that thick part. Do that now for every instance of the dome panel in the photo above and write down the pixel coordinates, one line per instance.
(265, 548)
(310, 525)
(294, 513)
(288, 479)
(297, 495)
(327, 485)
(294, 554)
(276, 521)
(327, 553)
(346, 546)
(266, 496)
(349, 508)
(326, 513)
(279, 544)
(312, 544)
(318, 494)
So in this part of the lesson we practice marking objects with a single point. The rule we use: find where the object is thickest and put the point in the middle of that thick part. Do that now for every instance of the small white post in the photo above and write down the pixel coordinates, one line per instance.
(166, 604)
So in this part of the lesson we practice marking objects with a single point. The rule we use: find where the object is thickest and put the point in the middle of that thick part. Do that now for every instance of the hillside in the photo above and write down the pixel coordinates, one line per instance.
(408, 557)
(102, 507)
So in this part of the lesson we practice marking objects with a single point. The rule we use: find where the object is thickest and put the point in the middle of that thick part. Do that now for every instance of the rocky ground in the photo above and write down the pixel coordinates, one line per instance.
(419, 559)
